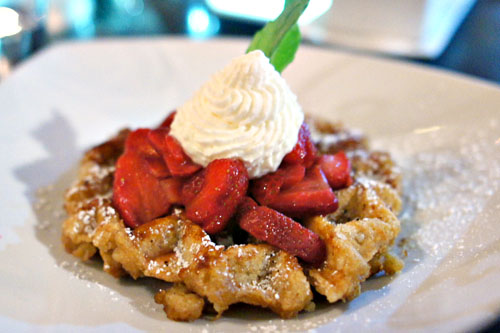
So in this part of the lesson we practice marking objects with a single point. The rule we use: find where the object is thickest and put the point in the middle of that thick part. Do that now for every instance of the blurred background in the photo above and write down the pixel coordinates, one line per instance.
(460, 35)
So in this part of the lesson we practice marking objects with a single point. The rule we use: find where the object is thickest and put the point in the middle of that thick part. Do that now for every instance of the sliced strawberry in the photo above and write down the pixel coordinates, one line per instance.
(281, 231)
(337, 169)
(311, 196)
(266, 188)
(292, 174)
(138, 195)
(225, 183)
(304, 151)
(247, 204)
(156, 166)
(168, 121)
(192, 187)
(137, 142)
(178, 163)
(173, 189)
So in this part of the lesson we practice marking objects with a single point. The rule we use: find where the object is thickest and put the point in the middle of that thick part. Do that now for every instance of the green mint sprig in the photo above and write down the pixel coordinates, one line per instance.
(280, 39)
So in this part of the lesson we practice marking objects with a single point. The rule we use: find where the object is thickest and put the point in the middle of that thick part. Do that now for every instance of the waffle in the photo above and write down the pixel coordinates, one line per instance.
(173, 249)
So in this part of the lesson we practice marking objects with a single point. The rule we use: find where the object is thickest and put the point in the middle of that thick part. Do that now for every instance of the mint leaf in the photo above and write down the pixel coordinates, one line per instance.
(285, 53)
(280, 39)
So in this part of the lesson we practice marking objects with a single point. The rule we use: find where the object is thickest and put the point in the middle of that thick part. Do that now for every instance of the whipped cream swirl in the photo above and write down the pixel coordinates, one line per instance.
(245, 111)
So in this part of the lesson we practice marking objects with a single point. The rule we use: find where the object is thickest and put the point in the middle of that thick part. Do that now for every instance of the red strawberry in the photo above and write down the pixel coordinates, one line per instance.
(137, 142)
(168, 121)
(266, 188)
(178, 163)
(138, 195)
(281, 231)
(173, 189)
(225, 183)
(311, 196)
(156, 166)
(246, 205)
(304, 151)
(337, 169)
(292, 174)
(192, 187)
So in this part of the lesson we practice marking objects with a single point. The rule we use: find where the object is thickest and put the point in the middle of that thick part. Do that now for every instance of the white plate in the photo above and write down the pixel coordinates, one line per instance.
(442, 128)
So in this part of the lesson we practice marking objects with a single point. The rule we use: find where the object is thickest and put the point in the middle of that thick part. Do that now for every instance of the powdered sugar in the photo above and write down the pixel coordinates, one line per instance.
(447, 181)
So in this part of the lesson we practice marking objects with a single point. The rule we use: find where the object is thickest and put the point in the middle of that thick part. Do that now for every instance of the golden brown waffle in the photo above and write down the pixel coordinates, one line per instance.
(176, 250)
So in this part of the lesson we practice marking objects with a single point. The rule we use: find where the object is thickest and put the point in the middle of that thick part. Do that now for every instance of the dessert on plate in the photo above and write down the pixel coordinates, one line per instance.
(238, 197)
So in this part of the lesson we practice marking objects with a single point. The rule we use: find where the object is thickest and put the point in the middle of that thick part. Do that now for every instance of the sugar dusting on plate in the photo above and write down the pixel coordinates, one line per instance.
(449, 173)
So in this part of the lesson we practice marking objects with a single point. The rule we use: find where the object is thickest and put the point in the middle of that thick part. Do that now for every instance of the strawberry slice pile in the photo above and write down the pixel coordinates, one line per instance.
(303, 185)
(154, 174)
(138, 193)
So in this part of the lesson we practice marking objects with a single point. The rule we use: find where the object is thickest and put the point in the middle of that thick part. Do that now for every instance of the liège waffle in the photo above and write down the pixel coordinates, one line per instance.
(358, 237)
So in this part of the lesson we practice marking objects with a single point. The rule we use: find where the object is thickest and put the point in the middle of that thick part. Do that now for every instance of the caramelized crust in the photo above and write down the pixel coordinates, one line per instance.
(180, 304)
(377, 166)
(362, 228)
(359, 234)
(255, 274)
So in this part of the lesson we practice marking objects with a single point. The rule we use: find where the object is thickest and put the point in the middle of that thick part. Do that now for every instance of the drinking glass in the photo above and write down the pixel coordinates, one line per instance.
(22, 30)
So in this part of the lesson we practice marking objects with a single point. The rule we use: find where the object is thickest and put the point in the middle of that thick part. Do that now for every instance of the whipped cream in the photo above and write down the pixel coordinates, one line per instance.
(244, 111)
